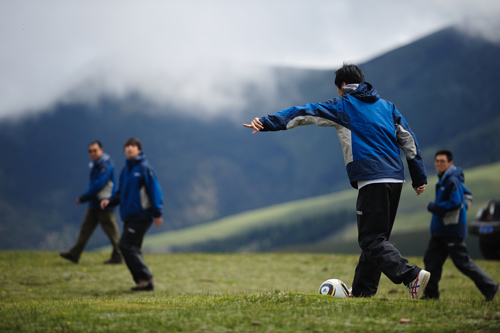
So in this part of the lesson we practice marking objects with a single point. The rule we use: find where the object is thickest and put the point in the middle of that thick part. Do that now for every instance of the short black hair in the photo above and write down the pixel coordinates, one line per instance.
(448, 154)
(96, 142)
(133, 142)
(348, 73)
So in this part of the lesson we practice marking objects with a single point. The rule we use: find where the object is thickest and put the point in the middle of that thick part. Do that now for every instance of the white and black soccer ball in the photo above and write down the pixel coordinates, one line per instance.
(335, 288)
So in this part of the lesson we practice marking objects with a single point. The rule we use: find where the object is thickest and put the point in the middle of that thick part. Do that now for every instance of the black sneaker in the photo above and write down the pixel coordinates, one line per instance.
(492, 297)
(69, 257)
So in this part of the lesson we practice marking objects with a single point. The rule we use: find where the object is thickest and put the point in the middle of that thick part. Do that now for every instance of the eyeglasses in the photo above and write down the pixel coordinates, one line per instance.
(92, 151)
(440, 161)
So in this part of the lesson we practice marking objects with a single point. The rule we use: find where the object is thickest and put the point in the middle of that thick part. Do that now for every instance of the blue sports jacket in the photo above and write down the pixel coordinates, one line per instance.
(449, 211)
(102, 182)
(139, 195)
(371, 132)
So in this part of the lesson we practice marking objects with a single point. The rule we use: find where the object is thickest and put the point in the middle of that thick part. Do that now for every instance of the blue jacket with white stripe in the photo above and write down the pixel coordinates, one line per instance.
(139, 195)
(449, 211)
(371, 132)
(102, 182)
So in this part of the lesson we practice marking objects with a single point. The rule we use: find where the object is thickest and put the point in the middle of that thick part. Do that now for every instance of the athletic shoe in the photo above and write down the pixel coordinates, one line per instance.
(416, 287)
(144, 286)
(112, 262)
(69, 257)
(492, 297)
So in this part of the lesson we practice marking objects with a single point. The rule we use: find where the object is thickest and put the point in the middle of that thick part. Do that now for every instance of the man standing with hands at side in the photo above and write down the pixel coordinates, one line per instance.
(140, 198)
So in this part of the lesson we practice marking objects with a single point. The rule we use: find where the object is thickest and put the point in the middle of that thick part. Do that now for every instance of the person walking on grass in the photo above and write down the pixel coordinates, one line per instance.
(449, 229)
(140, 198)
(102, 185)
(371, 132)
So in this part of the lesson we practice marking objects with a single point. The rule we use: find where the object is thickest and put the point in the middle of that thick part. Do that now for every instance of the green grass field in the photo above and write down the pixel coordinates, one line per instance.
(246, 292)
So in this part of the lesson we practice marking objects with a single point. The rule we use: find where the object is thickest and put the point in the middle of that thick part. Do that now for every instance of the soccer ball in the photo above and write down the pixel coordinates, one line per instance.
(335, 288)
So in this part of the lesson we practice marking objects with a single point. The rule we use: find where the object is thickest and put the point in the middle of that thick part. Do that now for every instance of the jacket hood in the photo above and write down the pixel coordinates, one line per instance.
(366, 93)
(133, 161)
(105, 157)
(453, 171)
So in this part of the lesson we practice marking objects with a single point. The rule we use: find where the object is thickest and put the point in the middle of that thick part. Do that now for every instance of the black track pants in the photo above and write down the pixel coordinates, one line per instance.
(130, 246)
(376, 209)
(435, 256)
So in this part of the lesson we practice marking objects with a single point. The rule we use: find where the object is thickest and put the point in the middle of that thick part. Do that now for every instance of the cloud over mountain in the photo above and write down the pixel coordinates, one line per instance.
(199, 54)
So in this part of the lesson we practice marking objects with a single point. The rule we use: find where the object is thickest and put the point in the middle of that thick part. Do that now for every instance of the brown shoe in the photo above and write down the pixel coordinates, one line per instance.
(144, 286)
(69, 257)
(112, 262)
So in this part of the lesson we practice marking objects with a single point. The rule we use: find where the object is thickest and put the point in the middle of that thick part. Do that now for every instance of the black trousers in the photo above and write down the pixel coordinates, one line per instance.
(435, 256)
(130, 246)
(376, 209)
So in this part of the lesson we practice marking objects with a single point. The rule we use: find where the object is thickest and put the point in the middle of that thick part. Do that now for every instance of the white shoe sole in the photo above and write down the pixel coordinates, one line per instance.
(423, 277)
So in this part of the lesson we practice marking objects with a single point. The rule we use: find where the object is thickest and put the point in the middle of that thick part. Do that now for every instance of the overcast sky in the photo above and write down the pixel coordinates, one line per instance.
(198, 53)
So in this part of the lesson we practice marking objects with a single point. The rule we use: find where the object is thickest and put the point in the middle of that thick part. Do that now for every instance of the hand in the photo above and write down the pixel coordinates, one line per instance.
(420, 189)
(78, 201)
(158, 221)
(256, 125)
(104, 203)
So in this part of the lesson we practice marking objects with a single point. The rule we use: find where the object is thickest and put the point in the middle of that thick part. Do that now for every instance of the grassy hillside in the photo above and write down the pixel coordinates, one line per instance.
(322, 224)
(272, 219)
(40, 292)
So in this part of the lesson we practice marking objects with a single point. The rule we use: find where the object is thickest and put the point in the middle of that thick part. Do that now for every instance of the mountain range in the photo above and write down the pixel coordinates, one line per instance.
(210, 167)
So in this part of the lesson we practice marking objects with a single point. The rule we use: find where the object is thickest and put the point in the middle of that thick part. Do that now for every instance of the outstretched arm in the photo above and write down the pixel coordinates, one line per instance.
(255, 124)
(320, 114)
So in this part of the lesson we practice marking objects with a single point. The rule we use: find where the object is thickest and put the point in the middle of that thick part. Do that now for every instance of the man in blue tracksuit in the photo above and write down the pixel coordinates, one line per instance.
(371, 132)
(140, 198)
(102, 185)
(449, 228)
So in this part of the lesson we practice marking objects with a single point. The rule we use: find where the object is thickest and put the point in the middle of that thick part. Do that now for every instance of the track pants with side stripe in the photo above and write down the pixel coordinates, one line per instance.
(376, 209)
(130, 246)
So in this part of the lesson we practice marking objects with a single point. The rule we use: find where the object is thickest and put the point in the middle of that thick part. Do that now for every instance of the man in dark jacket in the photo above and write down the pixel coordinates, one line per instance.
(371, 132)
(449, 228)
(140, 198)
(102, 185)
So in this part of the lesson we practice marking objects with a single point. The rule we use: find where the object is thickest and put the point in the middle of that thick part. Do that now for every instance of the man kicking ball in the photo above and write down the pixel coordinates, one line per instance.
(372, 132)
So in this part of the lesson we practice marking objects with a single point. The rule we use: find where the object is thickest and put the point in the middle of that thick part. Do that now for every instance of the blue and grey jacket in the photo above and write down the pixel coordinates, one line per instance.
(102, 182)
(371, 132)
(139, 195)
(449, 211)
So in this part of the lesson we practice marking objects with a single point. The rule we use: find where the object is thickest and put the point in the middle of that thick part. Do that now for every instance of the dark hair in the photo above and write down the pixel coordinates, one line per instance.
(349, 73)
(448, 154)
(133, 142)
(96, 142)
